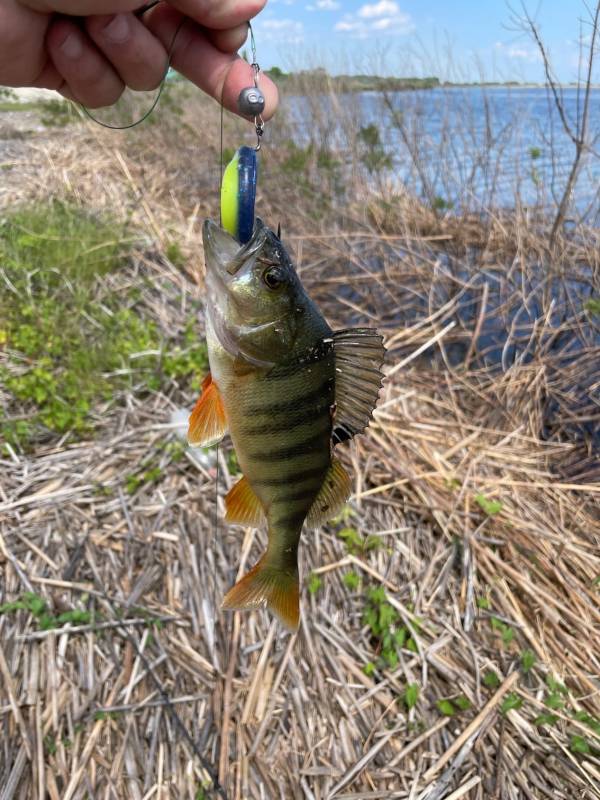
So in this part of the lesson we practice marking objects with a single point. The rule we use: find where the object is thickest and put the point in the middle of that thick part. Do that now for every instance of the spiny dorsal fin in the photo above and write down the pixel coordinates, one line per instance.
(332, 495)
(207, 424)
(243, 506)
(359, 355)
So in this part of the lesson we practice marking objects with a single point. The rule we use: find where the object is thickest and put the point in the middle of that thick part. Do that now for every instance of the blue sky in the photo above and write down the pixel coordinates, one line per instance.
(454, 39)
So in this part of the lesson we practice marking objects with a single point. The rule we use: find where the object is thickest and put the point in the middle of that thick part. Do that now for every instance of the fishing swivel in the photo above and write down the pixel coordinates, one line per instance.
(251, 101)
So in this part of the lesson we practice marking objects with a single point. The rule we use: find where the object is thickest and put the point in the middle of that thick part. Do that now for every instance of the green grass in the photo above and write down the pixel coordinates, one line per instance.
(68, 339)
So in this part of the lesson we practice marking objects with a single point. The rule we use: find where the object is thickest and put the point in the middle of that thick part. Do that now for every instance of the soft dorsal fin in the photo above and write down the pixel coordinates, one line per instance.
(207, 424)
(359, 355)
(332, 495)
(243, 506)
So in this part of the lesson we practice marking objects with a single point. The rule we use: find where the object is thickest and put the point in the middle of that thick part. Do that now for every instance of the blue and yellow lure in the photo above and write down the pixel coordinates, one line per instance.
(238, 193)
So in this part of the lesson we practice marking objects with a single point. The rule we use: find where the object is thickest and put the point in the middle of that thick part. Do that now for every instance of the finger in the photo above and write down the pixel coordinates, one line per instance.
(82, 8)
(137, 55)
(87, 74)
(230, 40)
(221, 75)
(219, 14)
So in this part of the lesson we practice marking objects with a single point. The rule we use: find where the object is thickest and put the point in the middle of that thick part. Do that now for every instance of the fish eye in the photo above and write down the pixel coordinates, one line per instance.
(273, 277)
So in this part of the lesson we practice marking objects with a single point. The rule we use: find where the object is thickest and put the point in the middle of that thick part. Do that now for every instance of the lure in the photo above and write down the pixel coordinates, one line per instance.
(238, 193)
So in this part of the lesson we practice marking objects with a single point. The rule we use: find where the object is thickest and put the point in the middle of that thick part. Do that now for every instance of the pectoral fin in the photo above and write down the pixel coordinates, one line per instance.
(207, 424)
(243, 506)
(359, 354)
(332, 495)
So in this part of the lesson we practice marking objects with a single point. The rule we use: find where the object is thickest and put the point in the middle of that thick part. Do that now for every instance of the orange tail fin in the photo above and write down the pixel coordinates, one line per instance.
(278, 588)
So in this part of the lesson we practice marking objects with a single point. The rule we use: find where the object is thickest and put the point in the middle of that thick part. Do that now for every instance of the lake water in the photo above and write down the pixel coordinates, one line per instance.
(484, 149)
(475, 148)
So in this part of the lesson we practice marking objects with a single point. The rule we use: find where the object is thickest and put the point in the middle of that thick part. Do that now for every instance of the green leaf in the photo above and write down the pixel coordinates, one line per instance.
(483, 602)
(490, 507)
(554, 700)
(411, 695)
(508, 635)
(462, 703)
(369, 668)
(446, 707)
(593, 306)
(527, 660)
(314, 583)
(554, 685)
(34, 603)
(351, 580)
(491, 680)
(579, 745)
(510, 702)
(546, 719)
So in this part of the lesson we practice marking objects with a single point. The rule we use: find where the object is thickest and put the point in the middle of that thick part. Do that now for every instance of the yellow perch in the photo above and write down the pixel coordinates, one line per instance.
(287, 389)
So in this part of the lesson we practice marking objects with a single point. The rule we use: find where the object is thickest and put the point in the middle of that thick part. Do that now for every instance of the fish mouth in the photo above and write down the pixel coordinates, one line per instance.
(224, 255)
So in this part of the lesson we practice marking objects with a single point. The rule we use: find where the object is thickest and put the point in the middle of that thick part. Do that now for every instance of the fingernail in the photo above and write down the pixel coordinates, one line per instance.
(72, 47)
(117, 29)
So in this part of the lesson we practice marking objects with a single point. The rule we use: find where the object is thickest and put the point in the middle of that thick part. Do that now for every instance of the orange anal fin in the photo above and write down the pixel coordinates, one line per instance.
(265, 584)
(207, 423)
(243, 506)
(332, 495)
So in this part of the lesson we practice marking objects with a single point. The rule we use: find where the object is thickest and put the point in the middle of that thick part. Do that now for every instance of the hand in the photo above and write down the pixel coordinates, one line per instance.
(90, 50)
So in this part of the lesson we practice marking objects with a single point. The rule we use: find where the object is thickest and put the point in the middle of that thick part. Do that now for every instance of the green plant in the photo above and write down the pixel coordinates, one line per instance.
(174, 253)
(593, 306)
(36, 606)
(71, 341)
(527, 660)
(449, 706)
(441, 204)
(386, 628)
(491, 680)
(58, 113)
(411, 695)
(373, 155)
(510, 702)
(505, 630)
(351, 580)
(579, 744)
(314, 583)
(545, 719)
(490, 507)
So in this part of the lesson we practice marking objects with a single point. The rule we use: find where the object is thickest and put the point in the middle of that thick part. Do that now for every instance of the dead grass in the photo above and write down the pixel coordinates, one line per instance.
(159, 687)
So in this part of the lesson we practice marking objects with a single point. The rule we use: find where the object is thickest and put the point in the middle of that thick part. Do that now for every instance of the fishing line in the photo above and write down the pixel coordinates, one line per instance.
(139, 13)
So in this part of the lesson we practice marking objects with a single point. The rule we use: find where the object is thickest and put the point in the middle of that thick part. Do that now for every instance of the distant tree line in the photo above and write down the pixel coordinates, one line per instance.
(320, 80)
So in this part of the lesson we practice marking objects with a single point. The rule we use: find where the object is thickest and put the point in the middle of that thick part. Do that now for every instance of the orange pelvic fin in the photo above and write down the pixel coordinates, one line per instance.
(207, 424)
(264, 583)
(243, 506)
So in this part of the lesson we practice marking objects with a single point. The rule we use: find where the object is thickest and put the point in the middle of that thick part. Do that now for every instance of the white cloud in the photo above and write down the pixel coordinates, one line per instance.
(383, 8)
(283, 30)
(324, 5)
(519, 53)
(382, 17)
